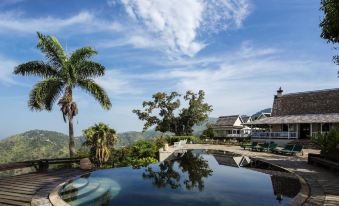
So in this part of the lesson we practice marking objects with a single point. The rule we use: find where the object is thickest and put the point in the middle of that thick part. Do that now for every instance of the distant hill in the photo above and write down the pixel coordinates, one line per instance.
(198, 129)
(38, 144)
(35, 144)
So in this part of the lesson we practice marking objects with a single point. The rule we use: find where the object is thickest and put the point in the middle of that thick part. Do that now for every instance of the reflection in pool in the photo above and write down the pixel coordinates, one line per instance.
(196, 177)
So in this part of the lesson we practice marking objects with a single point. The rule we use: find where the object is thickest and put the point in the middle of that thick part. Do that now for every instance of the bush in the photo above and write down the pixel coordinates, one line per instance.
(327, 142)
(160, 142)
(142, 153)
(172, 139)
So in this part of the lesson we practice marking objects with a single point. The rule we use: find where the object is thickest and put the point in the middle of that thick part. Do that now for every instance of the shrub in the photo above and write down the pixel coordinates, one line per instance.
(327, 142)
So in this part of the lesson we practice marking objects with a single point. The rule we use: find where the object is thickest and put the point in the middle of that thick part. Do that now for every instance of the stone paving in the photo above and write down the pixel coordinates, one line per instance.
(324, 183)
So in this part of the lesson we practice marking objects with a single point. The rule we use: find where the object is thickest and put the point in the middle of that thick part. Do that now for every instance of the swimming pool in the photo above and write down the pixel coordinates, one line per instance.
(194, 177)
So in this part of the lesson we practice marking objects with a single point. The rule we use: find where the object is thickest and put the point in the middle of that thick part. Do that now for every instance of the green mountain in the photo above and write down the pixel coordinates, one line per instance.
(39, 144)
(35, 144)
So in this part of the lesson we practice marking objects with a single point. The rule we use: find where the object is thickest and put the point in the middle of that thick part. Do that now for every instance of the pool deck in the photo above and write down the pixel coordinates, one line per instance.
(323, 183)
(33, 188)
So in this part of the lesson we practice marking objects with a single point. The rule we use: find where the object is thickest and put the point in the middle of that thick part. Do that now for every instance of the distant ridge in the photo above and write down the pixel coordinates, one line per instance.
(37, 144)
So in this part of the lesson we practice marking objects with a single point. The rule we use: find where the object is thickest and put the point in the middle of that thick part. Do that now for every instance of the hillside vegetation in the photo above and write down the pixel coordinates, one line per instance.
(35, 144)
(39, 144)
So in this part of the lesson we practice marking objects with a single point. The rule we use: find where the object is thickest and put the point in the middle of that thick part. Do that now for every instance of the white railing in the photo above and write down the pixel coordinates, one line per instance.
(274, 135)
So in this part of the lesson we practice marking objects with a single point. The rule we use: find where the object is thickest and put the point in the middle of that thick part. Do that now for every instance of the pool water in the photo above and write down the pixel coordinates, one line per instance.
(196, 177)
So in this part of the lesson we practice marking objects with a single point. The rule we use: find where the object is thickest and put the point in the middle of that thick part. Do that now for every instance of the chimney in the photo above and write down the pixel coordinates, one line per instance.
(279, 92)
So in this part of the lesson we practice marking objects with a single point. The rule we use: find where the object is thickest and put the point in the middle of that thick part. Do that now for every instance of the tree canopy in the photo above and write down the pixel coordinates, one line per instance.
(165, 113)
(330, 23)
(60, 74)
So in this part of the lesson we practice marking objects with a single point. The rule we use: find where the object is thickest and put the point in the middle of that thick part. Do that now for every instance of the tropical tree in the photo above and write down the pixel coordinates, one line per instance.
(330, 23)
(60, 74)
(162, 110)
(100, 138)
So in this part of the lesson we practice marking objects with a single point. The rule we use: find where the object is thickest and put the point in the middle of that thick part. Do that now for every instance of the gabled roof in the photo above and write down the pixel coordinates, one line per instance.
(246, 118)
(294, 119)
(226, 121)
(312, 102)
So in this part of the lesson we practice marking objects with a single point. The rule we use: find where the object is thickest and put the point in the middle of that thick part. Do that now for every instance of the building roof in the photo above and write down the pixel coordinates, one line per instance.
(226, 121)
(245, 118)
(312, 102)
(293, 119)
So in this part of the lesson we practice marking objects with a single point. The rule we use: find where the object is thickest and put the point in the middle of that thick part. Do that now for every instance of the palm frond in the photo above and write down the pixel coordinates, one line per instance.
(82, 54)
(96, 91)
(89, 69)
(36, 68)
(44, 94)
(51, 47)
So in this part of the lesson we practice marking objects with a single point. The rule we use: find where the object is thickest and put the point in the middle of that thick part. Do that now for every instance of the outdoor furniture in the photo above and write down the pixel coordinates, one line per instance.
(268, 147)
(180, 144)
(249, 146)
(288, 147)
(259, 147)
(296, 149)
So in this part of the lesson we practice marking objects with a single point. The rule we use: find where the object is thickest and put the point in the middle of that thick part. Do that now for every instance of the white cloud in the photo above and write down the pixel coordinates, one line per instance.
(117, 83)
(6, 70)
(177, 23)
(84, 20)
(245, 82)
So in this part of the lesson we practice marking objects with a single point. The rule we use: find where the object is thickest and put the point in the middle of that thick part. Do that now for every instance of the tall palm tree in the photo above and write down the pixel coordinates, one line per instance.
(100, 138)
(60, 74)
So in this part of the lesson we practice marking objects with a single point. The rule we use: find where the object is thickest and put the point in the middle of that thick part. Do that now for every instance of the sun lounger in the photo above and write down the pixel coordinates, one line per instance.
(288, 147)
(296, 149)
(249, 146)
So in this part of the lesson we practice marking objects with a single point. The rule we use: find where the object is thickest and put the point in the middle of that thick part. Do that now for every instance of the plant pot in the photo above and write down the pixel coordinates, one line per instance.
(165, 148)
(85, 164)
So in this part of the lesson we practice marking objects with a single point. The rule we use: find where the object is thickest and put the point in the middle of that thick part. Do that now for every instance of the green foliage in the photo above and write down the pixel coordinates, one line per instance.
(172, 139)
(35, 144)
(162, 109)
(330, 23)
(327, 142)
(141, 153)
(160, 142)
(100, 138)
(60, 75)
(208, 133)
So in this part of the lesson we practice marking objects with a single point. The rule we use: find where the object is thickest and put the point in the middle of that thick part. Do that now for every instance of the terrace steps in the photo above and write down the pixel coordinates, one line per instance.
(91, 191)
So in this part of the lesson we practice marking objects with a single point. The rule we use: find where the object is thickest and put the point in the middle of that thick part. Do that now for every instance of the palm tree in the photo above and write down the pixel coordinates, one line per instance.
(60, 74)
(100, 138)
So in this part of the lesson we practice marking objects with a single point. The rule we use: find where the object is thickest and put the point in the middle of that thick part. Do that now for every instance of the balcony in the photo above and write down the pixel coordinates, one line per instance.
(274, 135)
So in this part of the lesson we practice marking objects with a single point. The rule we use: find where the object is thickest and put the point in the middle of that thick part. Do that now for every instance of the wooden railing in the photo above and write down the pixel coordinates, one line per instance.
(39, 165)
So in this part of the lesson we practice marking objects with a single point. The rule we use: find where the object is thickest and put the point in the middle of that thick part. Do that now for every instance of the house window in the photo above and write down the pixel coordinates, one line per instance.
(284, 128)
(325, 127)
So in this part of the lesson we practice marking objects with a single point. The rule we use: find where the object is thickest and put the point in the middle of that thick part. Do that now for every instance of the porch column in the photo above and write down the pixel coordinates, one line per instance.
(288, 131)
(311, 129)
(297, 129)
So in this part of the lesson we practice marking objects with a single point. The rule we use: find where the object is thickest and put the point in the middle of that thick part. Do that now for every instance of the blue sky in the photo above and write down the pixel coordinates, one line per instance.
(238, 51)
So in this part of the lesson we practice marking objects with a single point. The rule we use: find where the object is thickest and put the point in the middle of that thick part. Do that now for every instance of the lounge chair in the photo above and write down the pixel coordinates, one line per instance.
(249, 146)
(260, 147)
(268, 147)
(296, 149)
(288, 147)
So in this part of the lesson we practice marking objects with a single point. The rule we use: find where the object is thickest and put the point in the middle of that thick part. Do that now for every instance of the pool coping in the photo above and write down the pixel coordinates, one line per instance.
(304, 192)
(54, 196)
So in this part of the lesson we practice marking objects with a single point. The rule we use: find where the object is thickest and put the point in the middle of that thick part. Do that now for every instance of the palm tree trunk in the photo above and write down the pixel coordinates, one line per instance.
(71, 138)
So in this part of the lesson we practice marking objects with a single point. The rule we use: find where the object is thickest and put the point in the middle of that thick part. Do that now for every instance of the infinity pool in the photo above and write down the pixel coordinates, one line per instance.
(195, 177)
